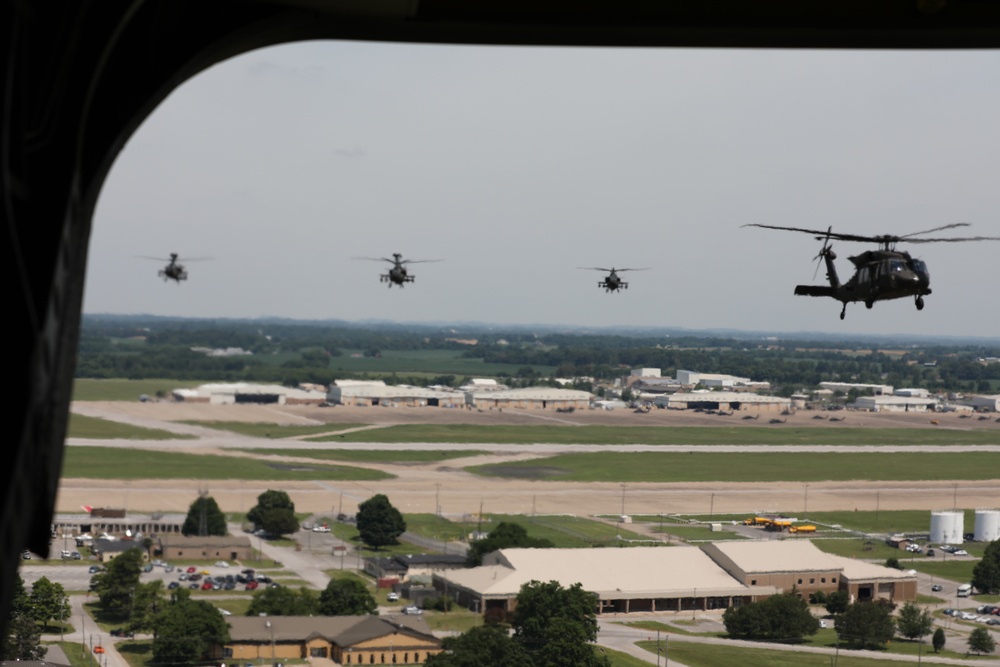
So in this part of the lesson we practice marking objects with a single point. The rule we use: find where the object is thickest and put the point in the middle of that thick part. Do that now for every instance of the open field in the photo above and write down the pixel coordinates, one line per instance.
(563, 531)
(757, 466)
(678, 435)
(82, 426)
(272, 430)
(423, 480)
(378, 456)
(120, 463)
(87, 389)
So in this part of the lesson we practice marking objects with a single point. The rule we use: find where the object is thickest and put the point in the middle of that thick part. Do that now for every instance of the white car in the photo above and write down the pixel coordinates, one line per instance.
(321, 529)
(960, 552)
(412, 611)
(392, 597)
(221, 563)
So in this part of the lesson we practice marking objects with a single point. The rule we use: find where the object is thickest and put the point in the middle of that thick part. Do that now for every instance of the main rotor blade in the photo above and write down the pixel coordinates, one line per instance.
(953, 240)
(820, 234)
(376, 259)
(642, 269)
(420, 261)
(936, 229)
(594, 268)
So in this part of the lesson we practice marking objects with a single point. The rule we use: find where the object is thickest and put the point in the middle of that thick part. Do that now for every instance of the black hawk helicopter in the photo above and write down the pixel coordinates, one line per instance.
(879, 275)
(174, 270)
(612, 282)
(398, 274)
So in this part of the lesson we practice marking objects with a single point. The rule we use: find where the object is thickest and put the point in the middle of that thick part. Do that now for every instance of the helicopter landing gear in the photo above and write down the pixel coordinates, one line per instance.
(843, 311)
(920, 303)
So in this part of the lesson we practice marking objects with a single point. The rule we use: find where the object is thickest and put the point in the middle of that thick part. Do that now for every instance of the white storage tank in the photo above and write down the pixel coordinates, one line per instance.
(987, 526)
(947, 527)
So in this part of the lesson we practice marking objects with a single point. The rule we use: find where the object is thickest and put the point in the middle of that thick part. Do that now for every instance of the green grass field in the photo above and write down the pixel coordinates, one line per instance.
(87, 389)
(749, 467)
(82, 426)
(377, 456)
(123, 463)
(665, 435)
(278, 431)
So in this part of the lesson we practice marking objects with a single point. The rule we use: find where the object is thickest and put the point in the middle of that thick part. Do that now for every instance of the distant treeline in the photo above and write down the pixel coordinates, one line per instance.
(290, 352)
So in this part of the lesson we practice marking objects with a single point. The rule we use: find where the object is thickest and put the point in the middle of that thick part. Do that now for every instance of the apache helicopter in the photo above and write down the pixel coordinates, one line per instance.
(398, 274)
(879, 275)
(174, 270)
(612, 282)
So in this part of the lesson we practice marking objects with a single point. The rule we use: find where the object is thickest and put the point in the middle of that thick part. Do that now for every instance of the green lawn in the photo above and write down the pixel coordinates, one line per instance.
(87, 389)
(456, 620)
(720, 655)
(956, 570)
(749, 467)
(862, 547)
(266, 430)
(669, 435)
(895, 521)
(122, 463)
(619, 659)
(377, 455)
(82, 426)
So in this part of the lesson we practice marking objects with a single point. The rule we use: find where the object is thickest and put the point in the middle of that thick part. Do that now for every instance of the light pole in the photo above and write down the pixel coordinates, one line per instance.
(623, 501)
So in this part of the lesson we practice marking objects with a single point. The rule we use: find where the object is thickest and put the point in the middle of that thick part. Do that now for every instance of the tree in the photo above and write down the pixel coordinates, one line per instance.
(986, 573)
(269, 500)
(552, 624)
(981, 641)
(187, 630)
(379, 523)
(483, 645)
(24, 637)
(938, 640)
(116, 585)
(893, 562)
(837, 602)
(347, 597)
(284, 601)
(147, 601)
(279, 521)
(865, 624)
(779, 618)
(914, 622)
(48, 602)
(506, 535)
(205, 518)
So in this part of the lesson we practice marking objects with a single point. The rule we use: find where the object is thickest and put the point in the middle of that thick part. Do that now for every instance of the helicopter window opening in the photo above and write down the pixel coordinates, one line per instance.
(896, 266)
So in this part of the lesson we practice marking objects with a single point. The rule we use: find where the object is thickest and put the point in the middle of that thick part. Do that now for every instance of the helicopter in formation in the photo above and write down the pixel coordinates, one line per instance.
(879, 275)
(398, 273)
(612, 282)
(174, 270)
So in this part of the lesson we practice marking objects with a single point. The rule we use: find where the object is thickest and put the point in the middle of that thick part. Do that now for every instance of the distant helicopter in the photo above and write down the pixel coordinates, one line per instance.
(879, 275)
(398, 274)
(612, 282)
(174, 270)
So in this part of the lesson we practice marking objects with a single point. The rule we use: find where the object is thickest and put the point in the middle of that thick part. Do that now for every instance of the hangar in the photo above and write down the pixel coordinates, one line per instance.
(802, 566)
(532, 398)
(636, 579)
(724, 400)
(378, 393)
(716, 575)
(230, 393)
(895, 403)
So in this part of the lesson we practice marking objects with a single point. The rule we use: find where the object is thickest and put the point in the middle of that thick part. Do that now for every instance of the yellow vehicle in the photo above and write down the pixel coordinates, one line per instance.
(802, 529)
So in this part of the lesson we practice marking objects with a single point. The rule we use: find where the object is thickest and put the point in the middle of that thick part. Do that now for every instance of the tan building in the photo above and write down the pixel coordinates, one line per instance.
(632, 580)
(799, 565)
(346, 640)
(212, 547)
(532, 398)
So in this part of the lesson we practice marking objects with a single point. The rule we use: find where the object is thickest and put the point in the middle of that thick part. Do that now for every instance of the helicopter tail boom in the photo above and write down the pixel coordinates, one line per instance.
(815, 290)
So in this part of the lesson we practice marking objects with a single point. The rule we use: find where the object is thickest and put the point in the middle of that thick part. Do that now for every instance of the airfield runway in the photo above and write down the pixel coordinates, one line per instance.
(427, 487)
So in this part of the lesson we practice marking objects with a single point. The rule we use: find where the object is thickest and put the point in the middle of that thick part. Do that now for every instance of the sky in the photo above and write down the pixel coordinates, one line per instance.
(516, 166)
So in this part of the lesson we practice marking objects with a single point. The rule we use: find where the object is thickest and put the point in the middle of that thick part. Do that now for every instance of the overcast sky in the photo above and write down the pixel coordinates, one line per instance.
(518, 165)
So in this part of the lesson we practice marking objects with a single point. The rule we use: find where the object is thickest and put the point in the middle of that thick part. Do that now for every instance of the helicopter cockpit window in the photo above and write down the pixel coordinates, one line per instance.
(896, 266)
(919, 266)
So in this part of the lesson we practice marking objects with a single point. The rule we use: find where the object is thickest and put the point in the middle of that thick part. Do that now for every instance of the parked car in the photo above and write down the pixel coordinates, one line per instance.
(192, 570)
(392, 597)
(221, 563)
(98, 649)
(94, 569)
(412, 611)
(173, 584)
(936, 587)
(251, 586)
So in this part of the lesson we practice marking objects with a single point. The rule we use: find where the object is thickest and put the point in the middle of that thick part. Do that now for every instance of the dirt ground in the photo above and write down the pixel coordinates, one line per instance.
(433, 486)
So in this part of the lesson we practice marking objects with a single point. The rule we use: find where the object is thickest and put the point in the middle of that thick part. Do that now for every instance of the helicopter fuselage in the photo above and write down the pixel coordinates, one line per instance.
(173, 271)
(613, 283)
(879, 275)
(397, 276)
